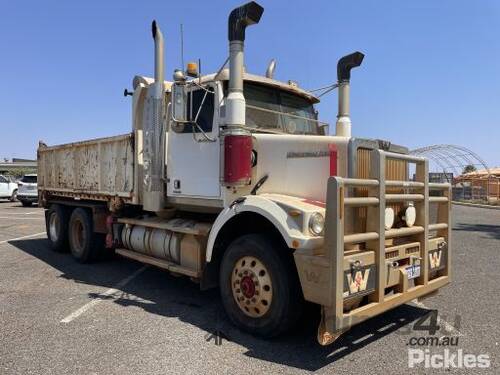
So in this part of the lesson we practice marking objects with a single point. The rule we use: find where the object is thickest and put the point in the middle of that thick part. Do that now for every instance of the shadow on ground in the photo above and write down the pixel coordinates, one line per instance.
(159, 293)
(492, 231)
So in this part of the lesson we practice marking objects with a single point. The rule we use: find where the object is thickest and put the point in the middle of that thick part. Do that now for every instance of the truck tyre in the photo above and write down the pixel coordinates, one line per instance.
(13, 197)
(26, 203)
(259, 286)
(83, 242)
(56, 223)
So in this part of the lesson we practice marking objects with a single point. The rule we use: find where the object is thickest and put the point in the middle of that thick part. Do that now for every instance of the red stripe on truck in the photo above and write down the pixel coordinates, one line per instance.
(333, 159)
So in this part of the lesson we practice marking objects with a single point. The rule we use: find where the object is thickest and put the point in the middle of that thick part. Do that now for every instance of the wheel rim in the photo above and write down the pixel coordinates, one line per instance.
(54, 226)
(79, 237)
(252, 286)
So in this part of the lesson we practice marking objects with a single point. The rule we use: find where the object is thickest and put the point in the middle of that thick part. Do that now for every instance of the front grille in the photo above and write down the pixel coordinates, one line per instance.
(392, 254)
(394, 170)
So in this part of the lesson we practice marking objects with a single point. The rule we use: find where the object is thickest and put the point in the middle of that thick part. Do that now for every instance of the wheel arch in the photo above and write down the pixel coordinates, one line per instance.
(254, 215)
(264, 212)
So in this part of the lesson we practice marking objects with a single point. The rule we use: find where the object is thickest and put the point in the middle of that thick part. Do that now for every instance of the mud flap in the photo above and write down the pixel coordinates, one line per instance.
(324, 336)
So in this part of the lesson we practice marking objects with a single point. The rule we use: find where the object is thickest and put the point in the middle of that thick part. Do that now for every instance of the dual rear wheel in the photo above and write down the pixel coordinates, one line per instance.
(74, 229)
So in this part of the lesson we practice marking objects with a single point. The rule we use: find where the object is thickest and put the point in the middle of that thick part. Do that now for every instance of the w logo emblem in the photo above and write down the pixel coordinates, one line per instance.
(359, 282)
(435, 259)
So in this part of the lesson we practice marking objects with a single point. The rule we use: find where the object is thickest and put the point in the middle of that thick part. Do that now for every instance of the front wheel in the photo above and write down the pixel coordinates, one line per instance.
(259, 286)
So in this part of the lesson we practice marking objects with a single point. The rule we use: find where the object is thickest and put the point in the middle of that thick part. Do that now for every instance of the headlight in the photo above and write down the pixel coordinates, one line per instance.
(316, 223)
(410, 215)
(389, 218)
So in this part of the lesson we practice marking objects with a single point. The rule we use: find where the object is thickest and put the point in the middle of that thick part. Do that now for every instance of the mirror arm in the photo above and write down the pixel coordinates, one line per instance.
(201, 106)
(205, 135)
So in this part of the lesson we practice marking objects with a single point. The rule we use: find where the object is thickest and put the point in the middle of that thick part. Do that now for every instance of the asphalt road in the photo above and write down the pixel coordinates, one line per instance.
(119, 317)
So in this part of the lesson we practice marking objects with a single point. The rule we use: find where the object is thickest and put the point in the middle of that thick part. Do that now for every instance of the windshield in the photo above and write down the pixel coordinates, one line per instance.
(275, 110)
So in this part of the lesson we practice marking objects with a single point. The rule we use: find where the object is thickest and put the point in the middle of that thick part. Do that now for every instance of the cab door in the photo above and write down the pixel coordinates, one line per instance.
(193, 166)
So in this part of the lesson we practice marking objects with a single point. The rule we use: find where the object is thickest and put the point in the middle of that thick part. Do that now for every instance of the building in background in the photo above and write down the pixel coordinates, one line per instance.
(18, 167)
(483, 184)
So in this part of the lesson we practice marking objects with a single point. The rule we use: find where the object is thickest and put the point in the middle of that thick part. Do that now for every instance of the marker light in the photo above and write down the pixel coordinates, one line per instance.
(192, 69)
(316, 223)
(389, 218)
(410, 215)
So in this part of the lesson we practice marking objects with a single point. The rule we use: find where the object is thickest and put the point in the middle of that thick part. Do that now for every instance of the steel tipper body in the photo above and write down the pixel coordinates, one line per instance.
(230, 179)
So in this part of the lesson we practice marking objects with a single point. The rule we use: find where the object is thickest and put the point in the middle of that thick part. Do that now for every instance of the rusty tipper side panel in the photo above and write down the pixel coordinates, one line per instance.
(96, 169)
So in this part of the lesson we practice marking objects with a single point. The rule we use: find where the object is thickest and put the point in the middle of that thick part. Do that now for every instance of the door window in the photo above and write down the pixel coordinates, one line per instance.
(201, 110)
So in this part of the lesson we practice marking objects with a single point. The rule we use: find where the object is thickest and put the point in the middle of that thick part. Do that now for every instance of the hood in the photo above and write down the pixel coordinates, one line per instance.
(299, 165)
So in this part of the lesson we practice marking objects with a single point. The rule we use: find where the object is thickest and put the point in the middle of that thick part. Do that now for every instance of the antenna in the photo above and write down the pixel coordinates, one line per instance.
(182, 47)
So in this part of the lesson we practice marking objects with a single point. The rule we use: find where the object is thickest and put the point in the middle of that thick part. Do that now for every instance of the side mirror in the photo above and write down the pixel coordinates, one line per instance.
(179, 103)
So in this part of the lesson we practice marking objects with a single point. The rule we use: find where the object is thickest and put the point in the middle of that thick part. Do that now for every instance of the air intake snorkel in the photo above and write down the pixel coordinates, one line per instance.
(239, 19)
(344, 66)
(237, 138)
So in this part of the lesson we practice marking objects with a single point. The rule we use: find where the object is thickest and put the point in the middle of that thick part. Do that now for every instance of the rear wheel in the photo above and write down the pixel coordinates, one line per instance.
(85, 245)
(57, 227)
(259, 286)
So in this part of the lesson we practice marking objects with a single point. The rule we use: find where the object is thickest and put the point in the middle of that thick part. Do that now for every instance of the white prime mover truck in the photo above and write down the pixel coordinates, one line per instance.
(230, 179)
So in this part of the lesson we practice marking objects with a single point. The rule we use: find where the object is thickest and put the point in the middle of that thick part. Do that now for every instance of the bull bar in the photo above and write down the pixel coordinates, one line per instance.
(321, 272)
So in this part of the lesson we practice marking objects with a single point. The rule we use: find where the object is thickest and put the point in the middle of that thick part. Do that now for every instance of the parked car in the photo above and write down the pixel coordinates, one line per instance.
(8, 188)
(27, 192)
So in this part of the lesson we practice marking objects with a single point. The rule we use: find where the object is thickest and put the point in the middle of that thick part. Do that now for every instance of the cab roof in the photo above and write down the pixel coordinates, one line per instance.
(223, 75)
(286, 86)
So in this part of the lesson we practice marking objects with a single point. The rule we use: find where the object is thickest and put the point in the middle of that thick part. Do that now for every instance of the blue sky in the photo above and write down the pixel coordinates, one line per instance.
(431, 74)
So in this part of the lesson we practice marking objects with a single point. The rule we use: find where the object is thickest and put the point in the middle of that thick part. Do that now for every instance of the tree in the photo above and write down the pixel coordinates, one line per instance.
(469, 168)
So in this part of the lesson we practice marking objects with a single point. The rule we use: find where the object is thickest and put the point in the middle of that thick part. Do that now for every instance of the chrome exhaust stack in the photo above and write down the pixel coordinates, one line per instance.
(344, 66)
(270, 69)
(239, 19)
(159, 91)
(154, 110)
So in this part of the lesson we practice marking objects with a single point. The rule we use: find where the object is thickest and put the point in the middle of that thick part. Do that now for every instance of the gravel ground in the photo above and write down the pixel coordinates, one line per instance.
(61, 317)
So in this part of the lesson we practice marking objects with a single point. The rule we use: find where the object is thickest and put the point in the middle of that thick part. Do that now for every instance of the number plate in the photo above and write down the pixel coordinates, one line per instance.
(413, 271)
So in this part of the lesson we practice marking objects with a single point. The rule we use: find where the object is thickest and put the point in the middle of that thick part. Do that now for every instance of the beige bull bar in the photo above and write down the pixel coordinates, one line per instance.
(322, 273)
